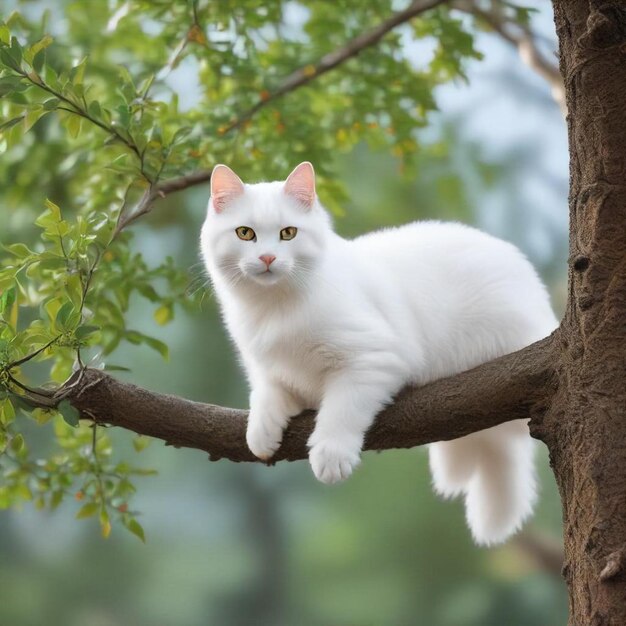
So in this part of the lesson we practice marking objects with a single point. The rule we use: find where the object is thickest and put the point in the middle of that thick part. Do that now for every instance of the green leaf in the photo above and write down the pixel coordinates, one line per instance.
(141, 443)
(135, 527)
(181, 134)
(42, 416)
(19, 250)
(39, 61)
(146, 84)
(159, 346)
(164, 314)
(116, 368)
(105, 523)
(5, 34)
(17, 443)
(50, 218)
(42, 44)
(78, 71)
(94, 109)
(9, 84)
(88, 510)
(23, 491)
(69, 412)
(82, 333)
(16, 50)
(148, 291)
(32, 117)
(9, 60)
(51, 104)
(12, 122)
(56, 499)
(7, 299)
(124, 115)
(7, 412)
(73, 125)
(67, 316)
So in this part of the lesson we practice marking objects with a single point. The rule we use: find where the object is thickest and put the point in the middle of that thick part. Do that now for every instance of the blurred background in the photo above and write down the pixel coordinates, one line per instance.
(239, 544)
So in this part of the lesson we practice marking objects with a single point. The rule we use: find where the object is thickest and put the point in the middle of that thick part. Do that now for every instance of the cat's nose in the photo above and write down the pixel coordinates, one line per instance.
(268, 259)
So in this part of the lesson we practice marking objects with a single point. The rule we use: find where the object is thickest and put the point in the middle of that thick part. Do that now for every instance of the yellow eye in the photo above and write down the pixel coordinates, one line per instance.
(288, 233)
(245, 233)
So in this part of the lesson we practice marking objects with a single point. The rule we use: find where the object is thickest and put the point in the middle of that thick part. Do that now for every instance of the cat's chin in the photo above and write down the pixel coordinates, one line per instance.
(266, 278)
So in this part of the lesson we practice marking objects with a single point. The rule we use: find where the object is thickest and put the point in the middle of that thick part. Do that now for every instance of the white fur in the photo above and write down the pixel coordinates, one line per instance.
(342, 325)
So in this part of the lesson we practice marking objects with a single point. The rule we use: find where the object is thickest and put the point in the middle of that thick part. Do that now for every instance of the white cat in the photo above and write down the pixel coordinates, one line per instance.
(340, 326)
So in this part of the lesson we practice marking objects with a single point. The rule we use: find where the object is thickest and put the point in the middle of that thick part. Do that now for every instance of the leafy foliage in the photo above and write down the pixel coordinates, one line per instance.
(100, 96)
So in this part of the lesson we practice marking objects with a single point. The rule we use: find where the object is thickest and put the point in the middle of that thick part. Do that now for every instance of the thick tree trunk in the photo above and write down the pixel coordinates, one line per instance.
(585, 429)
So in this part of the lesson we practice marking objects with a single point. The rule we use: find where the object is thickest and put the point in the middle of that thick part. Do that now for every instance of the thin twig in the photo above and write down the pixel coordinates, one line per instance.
(522, 38)
(28, 357)
(77, 110)
(310, 72)
(160, 191)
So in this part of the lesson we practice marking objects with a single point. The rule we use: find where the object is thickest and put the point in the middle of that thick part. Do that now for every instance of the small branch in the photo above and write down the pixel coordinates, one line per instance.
(516, 386)
(82, 112)
(545, 551)
(522, 38)
(160, 191)
(28, 357)
(184, 182)
(310, 72)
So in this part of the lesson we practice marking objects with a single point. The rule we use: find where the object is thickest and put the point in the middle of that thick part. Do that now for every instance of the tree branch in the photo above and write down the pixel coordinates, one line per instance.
(296, 79)
(522, 38)
(516, 386)
(545, 551)
(306, 74)
(161, 190)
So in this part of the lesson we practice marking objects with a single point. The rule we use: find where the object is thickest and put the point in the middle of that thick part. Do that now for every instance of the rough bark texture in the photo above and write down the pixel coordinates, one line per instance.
(515, 386)
(585, 429)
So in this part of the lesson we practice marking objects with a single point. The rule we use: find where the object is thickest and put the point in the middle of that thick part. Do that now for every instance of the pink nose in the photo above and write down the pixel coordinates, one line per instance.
(268, 259)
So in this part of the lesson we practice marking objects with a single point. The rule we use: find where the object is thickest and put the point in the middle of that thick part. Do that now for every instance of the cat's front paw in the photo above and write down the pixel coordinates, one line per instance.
(333, 461)
(263, 438)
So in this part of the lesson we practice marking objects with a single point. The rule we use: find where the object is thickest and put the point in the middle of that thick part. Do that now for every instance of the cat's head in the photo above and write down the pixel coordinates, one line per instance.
(266, 233)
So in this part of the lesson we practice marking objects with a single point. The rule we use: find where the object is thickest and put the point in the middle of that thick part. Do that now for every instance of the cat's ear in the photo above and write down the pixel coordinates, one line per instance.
(300, 184)
(225, 187)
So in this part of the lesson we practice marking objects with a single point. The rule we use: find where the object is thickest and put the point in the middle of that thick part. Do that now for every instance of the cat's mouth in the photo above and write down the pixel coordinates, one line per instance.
(266, 277)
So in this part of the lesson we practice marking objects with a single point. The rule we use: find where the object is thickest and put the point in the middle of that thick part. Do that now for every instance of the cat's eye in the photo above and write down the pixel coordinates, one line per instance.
(288, 233)
(245, 233)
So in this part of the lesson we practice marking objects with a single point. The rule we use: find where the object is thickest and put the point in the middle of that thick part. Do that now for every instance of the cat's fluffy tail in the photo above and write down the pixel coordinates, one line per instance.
(494, 470)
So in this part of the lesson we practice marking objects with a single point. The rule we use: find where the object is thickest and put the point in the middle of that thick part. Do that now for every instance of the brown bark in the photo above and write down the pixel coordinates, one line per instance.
(515, 386)
(585, 428)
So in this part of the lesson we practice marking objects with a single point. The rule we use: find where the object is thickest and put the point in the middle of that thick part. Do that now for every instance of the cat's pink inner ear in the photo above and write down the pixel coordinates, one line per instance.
(225, 187)
(301, 184)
